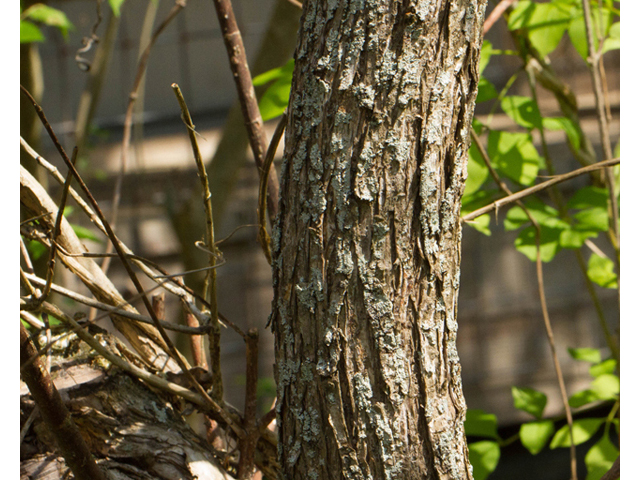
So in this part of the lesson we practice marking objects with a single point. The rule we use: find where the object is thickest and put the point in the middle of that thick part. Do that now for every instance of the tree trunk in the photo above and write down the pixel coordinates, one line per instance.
(367, 241)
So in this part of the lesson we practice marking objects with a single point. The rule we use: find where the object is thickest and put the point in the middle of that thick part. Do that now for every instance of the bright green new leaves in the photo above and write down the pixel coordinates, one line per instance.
(600, 271)
(591, 355)
(275, 100)
(486, 90)
(477, 171)
(608, 366)
(481, 424)
(29, 32)
(514, 155)
(612, 42)
(484, 457)
(600, 23)
(475, 200)
(583, 430)
(46, 15)
(600, 458)
(115, 6)
(545, 23)
(563, 123)
(551, 229)
(535, 435)
(529, 400)
(485, 55)
(604, 387)
(523, 111)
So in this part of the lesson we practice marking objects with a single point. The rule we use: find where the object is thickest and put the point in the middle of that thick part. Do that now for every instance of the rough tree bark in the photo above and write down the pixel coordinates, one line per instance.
(367, 241)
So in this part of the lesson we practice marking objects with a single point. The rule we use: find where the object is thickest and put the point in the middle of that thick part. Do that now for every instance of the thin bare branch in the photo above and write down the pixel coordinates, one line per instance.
(538, 188)
(265, 240)
(248, 443)
(210, 283)
(247, 96)
(496, 13)
(128, 119)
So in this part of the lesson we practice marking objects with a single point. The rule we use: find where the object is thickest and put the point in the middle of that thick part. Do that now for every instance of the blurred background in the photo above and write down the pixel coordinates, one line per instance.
(502, 340)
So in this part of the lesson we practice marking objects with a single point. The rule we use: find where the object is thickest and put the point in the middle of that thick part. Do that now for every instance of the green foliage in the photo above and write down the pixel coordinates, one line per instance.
(45, 15)
(484, 457)
(582, 430)
(276, 98)
(544, 23)
(600, 458)
(535, 435)
(591, 355)
(481, 424)
(514, 155)
(529, 400)
(116, 5)
(600, 271)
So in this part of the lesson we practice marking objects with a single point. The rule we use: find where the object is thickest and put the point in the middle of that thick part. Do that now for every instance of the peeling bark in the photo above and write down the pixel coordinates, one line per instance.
(367, 241)
(132, 431)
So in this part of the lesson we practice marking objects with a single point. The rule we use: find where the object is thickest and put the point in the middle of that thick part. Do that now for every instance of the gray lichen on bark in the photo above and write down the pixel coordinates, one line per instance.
(367, 242)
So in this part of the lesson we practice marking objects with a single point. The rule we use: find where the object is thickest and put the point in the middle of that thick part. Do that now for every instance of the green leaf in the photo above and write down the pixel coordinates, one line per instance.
(577, 31)
(115, 6)
(85, 233)
(607, 366)
(549, 243)
(29, 32)
(606, 386)
(514, 155)
(486, 90)
(477, 171)
(484, 457)
(574, 238)
(612, 42)
(583, 430)
(485, 55)
(36, 249)
(600, 458)
(540, 211)
(591, 355)
(481, 424)
(286, 71)
(593, 219)
(481, 224)
(581, 398)
(534, 435)
(529, 400)
(476, 200)
(569, 127)
(275, 100)
(49, 16)
(600, 271)
(589, 197)
(544, 22)
(523, 111)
